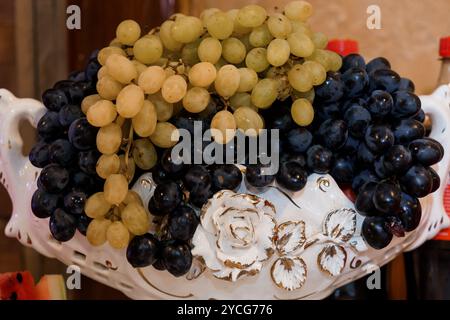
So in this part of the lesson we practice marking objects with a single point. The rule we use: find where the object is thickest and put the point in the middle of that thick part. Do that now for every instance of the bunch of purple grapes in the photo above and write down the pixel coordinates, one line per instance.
(181, 190)
(368, 132)
(66, 152)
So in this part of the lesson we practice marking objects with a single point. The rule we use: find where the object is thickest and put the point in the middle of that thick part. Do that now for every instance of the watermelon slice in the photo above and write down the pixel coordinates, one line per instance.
(51, 287)
(17, 286)
(21, 286)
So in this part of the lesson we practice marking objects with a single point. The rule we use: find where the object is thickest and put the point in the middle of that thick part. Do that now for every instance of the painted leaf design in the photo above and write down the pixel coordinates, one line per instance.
(289, 273)
(197, 268)
(290, 236)
(358, 243)
(340, 224)
(332, 259)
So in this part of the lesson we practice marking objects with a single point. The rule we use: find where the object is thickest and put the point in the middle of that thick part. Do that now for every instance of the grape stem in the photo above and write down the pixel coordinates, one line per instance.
(130, 142)
(224, 102)
(120, 121)
(154, 30)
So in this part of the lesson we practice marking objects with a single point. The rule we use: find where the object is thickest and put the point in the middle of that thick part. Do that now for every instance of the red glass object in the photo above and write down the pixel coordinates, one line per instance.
(343, 47)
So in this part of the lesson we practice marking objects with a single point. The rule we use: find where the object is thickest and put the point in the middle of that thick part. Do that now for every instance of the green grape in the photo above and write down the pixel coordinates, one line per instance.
(96, 231)
(233, 50)
(89, 101)
(174, 89)
(152, 79)
(104, 54)
(301, 45)
(248, 79)
(144, 154)
(260, 36)
(317, 71)
(128, 32)
(148, 49)
(164, 109)
(166, 135)
(308, 95)
(248, 120)
(322, 57)
(202, 74)
(302, 112)
(220, 25)
(265, 93)
(121, 69)
(279, 26)
(176, 16)
(109, 139)
(223, 127)
(300, 78)
(205, 14)
(116, 189)
(144, 123)
(115, 43)
(251, 16)
(108, 88)
(102, 72)
(209, 50)
(96, 206)
(186, 29)
(165, 33)
(301, 27)
(101, 113)
(298, 10)
(241, 99)
(136, 219)
(132, 196)
(196, 99)
(189, 53)
(118, 235)
(320, 40)
(335, 61)
(227, 81)
(140, 67)
(130, 101)
(257, 59)
(278, 52)
(238, 29)
(107, 165)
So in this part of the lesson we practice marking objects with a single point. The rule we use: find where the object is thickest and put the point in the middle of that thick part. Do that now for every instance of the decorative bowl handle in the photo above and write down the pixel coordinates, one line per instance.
(437, 106)
(16, 171)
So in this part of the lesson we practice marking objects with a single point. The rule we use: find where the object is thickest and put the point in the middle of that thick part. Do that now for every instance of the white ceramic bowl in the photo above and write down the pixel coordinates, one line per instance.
(312, 206)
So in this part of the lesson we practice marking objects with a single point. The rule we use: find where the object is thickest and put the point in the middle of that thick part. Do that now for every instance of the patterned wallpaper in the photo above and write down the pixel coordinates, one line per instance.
(409, 34)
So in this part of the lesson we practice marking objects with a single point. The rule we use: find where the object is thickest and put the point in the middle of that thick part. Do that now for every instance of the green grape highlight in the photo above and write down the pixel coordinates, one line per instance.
(233, 50)
(265, 93)
(209, 50)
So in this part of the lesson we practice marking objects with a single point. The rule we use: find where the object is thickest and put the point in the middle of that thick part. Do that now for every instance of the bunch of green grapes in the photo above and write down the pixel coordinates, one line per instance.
(248, 57)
